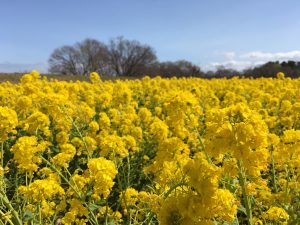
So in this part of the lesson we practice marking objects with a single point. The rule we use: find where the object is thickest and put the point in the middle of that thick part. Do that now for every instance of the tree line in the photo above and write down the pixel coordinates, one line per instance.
(130, 58)
(120, 57)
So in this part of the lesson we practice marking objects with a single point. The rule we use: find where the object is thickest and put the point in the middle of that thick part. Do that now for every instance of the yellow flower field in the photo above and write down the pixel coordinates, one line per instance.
(185, 151)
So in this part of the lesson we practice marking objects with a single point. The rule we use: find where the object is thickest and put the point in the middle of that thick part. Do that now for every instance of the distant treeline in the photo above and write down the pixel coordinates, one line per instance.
(270, 69)
(130, 58)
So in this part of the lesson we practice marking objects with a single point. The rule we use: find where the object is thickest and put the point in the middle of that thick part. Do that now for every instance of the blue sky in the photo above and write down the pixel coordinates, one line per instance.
(234, 33)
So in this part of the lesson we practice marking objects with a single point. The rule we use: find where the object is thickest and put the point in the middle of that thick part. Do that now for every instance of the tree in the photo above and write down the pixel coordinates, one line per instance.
(64, 60)
(93, 56)
(121, 57)
(187, 68)
(80, 59)
(180, 68)
(269, 69)
(223, 72)
(129, 58)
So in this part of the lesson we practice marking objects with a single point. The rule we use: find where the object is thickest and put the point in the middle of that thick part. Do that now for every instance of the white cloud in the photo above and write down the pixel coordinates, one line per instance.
(8, 67)
(232, 64)
(243, 61)
(229, 55)
(292, 55)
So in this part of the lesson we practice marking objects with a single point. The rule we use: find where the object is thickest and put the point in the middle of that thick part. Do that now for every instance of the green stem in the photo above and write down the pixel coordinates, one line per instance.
(203, 149)
(67, 181)
(173, 188)
(287, 171)
(40, 213)
(128, 172)
(106, 213)
(124, 198)
(80, 135)
(246, 198)
(61, 175)
(16, 220)
(2, 155)
(7, 219)
(273, 172)
(237, 220)
(84, 142)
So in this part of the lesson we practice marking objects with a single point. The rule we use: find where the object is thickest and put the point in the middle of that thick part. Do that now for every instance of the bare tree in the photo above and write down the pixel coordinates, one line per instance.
(93, 56)
(84, 57)
(121, 57)
(64, 60)
(129, 58)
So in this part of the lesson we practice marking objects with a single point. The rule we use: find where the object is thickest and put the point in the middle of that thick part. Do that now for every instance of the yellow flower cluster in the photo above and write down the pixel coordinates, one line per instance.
(276, 214)
(102, 173)
(202, 201)
(25, 152)
(45, 189)
(185, 151)
(240, 132)
(9, 121)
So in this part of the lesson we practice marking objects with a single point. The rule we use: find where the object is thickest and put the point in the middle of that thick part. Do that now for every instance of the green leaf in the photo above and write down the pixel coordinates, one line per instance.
(242, 209)
(93, 207)
(112, 223)
(27, 216)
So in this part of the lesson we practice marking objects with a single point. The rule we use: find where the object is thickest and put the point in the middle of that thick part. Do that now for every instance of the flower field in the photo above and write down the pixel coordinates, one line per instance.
(185, 151)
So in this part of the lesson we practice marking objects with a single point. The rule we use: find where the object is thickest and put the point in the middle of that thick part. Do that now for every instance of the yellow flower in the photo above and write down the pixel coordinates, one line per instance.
(276, 214)
(94, 77)
(26, 151)
(129, 198)
(9, 121)
(62, 137)
(46, 189)
(206, 182)
(280, 75)
(37, 121)
(113, 146)
(66, 154)
(102, 173)
(35, 74)
(1, 171)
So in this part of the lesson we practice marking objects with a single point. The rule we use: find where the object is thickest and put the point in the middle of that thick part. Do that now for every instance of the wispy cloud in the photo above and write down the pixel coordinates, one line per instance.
(292, 55)
(7, 67)
(232, 64)
(229, 55)
(242, 61)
